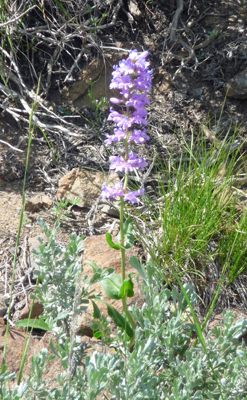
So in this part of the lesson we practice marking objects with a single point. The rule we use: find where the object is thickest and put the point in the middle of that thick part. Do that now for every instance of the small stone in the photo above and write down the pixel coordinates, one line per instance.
(134, 9)
(35, 203)
(47, 202)
(109, 209)
(196, 92)
(237, 86)
(36, 310)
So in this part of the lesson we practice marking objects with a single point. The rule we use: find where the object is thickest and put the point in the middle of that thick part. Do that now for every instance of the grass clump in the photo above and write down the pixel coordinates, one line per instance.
(197, 215)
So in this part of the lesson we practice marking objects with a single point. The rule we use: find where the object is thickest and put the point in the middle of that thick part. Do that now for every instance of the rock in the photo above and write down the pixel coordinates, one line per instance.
(84, 184)
(108, 209)
(35, 203)
(134, 10)
(196, 92)
(90, 73)
(36, 310)
(97, 251)
(237, 86)
(99, 72)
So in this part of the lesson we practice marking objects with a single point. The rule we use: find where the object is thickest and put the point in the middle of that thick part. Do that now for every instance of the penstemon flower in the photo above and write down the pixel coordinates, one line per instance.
(133, 79)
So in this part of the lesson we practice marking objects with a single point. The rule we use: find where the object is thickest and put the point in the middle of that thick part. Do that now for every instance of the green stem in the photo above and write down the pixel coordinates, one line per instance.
(124, 299)
(122, 239)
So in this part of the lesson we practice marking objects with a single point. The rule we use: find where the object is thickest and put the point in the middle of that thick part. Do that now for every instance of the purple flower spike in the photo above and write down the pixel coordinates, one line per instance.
(133, 80)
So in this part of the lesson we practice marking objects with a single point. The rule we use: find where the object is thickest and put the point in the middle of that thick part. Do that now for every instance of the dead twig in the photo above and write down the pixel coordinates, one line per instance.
(12, 147)
(175, 19)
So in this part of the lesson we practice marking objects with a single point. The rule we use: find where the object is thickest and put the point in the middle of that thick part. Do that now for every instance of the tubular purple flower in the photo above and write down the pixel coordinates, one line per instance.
(117, 137)
(111, 193)
(138, 136)
(139, 120)
(123, 82)
(132, 196)
(140, 112)
(137, 100)
(118, 164)
(134, 56)
(141, 84)
(117, 191)
(115, 101)
(121, 120)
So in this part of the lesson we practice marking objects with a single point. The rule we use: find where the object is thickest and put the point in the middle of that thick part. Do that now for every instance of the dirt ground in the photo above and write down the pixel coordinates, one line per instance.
(189, 89)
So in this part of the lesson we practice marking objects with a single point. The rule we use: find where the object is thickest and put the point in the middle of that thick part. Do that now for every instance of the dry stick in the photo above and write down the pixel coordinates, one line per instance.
(50, 65)
(191, 50)
(185, 62)
(74, 65)
(217, 30)
(12, 147)
(4, 69)
(175, 20)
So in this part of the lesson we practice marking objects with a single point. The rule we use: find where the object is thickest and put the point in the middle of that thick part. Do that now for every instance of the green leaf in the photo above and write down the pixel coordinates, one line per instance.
(97, 335)
(62, 315)
(96, 310)
(139, 267)
(119, 319)
(129, 237)
(127, 288)
(112, 286)
(52, 347)
(99, 273)
(110, 242)
(33, 323)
